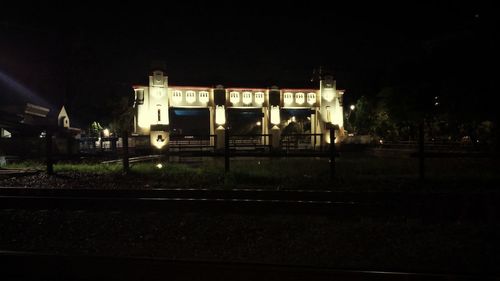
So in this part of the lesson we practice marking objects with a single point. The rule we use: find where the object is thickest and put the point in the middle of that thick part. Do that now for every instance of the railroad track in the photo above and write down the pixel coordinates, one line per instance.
(430, 205)
(47, 266)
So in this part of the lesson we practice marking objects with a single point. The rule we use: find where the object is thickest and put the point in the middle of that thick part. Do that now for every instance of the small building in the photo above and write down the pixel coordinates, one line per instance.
(24, 127)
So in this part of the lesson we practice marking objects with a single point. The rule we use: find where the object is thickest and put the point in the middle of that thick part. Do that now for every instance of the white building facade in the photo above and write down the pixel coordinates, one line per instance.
(153, 103)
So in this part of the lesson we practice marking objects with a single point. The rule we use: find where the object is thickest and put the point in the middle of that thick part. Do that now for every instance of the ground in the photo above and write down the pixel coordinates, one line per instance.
(354, 172)
(394, 242)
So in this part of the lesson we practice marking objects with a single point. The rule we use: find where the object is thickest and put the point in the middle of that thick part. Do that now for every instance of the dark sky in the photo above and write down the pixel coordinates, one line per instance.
(67, 53)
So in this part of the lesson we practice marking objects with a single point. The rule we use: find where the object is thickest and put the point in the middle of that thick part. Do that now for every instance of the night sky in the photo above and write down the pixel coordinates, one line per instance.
(65, 54)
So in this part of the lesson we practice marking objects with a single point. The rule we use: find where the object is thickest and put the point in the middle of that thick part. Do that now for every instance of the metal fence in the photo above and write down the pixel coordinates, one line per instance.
(192, 143)
(301, 142)
(250, 142)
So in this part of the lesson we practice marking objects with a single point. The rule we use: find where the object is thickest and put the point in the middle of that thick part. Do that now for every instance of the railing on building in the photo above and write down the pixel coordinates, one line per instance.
(250, 142)
(192, 143)
(301, 142)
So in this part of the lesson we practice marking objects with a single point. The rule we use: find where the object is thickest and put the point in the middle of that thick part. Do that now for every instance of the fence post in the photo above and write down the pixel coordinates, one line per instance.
(332, 151)
(48, 152)
(226, 151)
(421, 157)
(125, 156)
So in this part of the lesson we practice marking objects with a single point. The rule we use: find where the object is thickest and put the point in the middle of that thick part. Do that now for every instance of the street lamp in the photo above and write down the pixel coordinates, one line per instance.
(348, 117)
(105, 133)
(352, 107)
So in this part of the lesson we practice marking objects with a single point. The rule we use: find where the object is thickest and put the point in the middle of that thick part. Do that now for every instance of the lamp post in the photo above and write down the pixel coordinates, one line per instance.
(352, 107)
(348, 117)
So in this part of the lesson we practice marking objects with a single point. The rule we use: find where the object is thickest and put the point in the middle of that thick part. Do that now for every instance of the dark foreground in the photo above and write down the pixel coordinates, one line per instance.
(394, 243)
(39, 266)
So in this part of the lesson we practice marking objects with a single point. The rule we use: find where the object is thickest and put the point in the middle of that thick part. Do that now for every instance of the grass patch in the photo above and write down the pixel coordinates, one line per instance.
(88, 168)
(353, 173)
(25, 165)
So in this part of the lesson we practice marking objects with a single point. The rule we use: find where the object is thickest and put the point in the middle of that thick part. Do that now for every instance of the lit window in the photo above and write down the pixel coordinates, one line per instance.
(275, 115)
(190, 96)
(220, 115)
(177, 96)
(247, 97)
(203, 96)
(311, 98)
(139, 96)
(288, 98)
(259, 97)
(234, 97)
(299, 98)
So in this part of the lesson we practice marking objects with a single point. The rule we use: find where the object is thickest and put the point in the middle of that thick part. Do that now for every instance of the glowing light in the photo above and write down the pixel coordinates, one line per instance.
(259, 97)
(177, 96)
(159, 139)
(105, 132)
(203, 96)
(159, 166)
(6, 134)
(220, 115)
(190, 96)
(328, 138)
(336, 115)
(258, 123)
(21, 89)
(247, 97)
(234, 97)
(328, 94)
(275, 115)
(299, 98)
(288, 98)
(139, 96)
(293, 119)
(352, 106)
(311, 98)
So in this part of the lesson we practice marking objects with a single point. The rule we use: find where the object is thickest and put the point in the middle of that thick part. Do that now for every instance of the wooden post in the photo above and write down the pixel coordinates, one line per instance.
(332, 151)
(48, 152)
(226, 151)
(421, 156)
(126, 165)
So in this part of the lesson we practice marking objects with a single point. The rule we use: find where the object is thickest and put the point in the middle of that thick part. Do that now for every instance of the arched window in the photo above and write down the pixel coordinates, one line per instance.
(190, 96)
(177, 96)
(288, 98)
(259, 98)
(234, 97)
(299, 98)
(311, 98)
(203, 96)
(247, 97)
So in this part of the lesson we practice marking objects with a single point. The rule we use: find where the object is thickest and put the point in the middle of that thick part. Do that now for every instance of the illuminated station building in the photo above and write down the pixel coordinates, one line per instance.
(157, 102)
